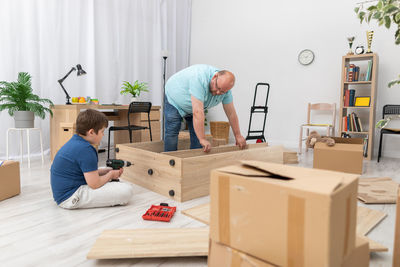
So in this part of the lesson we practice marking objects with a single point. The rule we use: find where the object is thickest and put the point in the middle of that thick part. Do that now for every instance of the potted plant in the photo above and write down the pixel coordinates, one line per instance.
(134, 90)
(21, 102)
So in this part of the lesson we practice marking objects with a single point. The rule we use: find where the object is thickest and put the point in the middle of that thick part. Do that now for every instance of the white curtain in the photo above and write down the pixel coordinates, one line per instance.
(114, 41)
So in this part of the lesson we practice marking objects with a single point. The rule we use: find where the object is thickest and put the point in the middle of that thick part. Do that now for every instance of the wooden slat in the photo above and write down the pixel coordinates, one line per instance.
(367, 219)
(375, 246)
(200, 213)
(215, 150)
(163, 176)
(150, 243)
(377, 190)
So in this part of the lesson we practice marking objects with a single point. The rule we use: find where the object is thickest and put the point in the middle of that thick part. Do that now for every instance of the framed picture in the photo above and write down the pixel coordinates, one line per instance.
(362, 101)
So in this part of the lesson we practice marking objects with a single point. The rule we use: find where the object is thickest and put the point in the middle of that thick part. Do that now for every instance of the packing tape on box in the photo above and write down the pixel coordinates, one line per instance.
(295, 231)
(236, 259)
(347, 227)
(223, 209)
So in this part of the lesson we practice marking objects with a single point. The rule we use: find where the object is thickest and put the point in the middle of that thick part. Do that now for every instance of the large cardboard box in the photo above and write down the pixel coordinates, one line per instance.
(220, 255)
(9, 179)
(285, 215)
(345, 156)
(359, 257)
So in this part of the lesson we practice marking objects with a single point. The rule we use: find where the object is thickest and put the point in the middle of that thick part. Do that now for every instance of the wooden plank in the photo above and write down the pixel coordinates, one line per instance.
(375, 246)
(162, 178)
(377, 190)
(367, 219)
(200, 213)
(215, 150)
(150, 243)
(396, 246)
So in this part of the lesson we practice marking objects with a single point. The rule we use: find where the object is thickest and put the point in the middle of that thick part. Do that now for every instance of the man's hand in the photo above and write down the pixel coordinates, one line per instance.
(240, 141)
(205, 144)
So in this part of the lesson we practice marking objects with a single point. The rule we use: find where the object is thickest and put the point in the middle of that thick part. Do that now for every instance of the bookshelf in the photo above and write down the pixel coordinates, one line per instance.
(359, 78)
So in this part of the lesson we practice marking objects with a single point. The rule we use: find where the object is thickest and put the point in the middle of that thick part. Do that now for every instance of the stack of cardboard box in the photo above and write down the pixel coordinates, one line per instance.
(266, 214)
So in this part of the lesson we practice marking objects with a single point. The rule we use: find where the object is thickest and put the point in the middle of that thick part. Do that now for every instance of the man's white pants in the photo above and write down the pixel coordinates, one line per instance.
(110, 194)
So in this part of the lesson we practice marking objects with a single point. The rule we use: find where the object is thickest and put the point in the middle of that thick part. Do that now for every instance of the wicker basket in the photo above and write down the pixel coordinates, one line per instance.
(220, 130)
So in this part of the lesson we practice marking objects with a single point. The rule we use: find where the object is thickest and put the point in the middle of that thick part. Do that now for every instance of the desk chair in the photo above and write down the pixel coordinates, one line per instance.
(330, 127)
(388, 110)
(134, 107)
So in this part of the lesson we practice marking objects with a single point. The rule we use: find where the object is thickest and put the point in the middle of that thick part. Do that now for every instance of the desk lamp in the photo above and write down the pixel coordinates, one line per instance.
(79, 73)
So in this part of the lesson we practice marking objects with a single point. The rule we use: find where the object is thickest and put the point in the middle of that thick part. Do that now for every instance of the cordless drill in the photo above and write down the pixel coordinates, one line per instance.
(117, 164)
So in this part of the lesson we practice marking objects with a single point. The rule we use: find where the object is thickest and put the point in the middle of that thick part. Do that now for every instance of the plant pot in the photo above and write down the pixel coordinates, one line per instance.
(134, 99)
(24, 119)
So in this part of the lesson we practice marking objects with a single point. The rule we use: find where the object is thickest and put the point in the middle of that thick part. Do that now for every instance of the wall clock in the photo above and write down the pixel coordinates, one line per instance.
(306, 57)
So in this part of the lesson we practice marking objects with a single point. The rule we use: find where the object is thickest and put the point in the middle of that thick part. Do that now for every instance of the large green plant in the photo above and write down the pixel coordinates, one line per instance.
(135, 89)
(385, 12)
(18, 96)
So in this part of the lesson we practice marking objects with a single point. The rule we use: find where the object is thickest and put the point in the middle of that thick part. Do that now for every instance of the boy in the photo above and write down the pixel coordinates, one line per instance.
(75, 180)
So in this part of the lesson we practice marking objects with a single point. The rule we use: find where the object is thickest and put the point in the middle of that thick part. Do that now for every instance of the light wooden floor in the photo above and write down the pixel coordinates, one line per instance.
(35, 232)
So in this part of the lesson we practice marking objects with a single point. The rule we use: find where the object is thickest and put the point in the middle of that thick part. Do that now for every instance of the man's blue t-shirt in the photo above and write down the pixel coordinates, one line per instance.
(194, 80)
(71, 161)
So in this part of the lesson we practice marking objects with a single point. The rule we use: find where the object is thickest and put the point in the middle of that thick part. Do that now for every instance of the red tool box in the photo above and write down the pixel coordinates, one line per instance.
(162, 213)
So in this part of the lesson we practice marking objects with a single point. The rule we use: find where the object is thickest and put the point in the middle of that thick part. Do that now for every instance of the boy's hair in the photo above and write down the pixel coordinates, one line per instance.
(90, 119)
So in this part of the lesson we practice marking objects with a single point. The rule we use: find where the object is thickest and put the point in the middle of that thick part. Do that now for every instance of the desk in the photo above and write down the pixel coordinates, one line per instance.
(65, 115)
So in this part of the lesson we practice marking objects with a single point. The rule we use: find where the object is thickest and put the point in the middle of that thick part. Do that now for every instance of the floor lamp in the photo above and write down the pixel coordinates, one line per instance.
(164, 55)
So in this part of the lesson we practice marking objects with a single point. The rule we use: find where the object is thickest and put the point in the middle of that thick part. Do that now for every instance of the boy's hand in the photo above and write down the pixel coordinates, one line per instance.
(114, 174)
(121, 171)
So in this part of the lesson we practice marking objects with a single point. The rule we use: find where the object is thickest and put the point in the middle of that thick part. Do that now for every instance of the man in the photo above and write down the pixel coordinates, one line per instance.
(187, 94)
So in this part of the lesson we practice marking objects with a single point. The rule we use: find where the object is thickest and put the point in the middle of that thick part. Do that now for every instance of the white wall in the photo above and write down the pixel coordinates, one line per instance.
(260, 40)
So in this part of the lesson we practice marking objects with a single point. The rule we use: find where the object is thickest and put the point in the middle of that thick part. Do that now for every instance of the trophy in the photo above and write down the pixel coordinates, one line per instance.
(370, 34)
(350, 39)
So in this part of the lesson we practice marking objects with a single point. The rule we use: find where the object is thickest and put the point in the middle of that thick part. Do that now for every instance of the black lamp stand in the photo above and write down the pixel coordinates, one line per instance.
(60, 81)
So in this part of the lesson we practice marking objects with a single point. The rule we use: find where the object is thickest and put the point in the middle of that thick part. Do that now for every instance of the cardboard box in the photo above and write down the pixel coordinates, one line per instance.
(9, 179)
(285, 215)
(345, 156)
(220, 255)
(360, 255)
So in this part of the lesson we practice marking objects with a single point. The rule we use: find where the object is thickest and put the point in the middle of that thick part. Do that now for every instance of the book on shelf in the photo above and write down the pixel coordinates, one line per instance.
(346, 98)
(352, 94)
(351, 123)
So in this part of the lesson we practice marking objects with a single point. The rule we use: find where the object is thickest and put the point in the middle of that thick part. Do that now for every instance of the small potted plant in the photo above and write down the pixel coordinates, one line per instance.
(21, 102)
(134, 90)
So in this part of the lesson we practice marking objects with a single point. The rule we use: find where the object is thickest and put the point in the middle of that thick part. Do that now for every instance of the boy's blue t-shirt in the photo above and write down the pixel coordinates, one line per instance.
(76, 157)
(194, 80)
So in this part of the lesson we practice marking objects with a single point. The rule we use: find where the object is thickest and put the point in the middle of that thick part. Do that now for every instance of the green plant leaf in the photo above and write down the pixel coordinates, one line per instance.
(387, 22)
(356, 9)
(396, 17)
(379, 5)
(389, 9)
(377, 15)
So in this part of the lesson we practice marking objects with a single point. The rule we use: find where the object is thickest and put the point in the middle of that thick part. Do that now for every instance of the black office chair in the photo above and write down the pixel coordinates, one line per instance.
(388, 110)
(134, 107)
